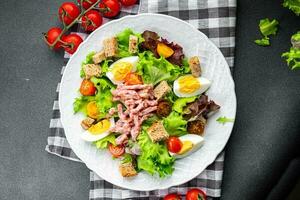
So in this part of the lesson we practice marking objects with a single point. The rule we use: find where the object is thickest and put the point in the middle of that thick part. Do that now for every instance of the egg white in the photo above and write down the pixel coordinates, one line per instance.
(89, 137)
(197, 141)
(132, 60)
(204, 85)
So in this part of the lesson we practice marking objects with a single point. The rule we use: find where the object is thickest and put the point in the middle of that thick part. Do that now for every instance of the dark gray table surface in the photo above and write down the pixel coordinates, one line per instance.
(262, 145)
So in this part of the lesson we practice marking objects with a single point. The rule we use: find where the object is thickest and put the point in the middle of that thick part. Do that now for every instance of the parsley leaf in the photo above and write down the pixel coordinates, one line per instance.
(267, 28)
(224, 120)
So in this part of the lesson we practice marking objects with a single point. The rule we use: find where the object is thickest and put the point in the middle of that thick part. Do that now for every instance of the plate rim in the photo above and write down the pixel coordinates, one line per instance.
(212, 158)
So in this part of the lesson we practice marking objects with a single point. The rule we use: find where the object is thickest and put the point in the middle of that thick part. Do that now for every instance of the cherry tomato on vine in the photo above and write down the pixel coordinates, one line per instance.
(116, 151)
(174, 144)
(195, 194)
(113, 7)
(52, 35)
(91, 20)
(71, 42)
(67, 12)
(128, 2)
(87, 88)
(172, 196)
(86, 4)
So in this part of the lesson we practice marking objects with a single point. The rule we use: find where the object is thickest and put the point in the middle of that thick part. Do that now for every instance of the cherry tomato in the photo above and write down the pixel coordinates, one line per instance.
(116, 151)
(91, 20)
(128, 2)
(86, 4)
(113, 6)
(133, 79)
(195, 194)
(87, 88)
(174, 144)
(172, 197)
(71, 42)
(52, 35)
(68, 12)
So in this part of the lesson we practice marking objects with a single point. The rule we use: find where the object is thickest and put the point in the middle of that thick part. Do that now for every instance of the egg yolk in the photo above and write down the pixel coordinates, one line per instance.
(188, 84)
(92, 110)
(121, 69)
(100, 127)
(186, 146)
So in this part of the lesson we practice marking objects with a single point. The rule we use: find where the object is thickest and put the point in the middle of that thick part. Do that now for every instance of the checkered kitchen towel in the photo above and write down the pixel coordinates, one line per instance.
(216, 19)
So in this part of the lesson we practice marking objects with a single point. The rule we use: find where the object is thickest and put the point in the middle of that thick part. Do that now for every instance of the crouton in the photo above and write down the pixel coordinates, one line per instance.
(110, 47)
(196, 127)
(133, 44)
(99, 57)
(91, 70)
(157, 132)
(161, 89)
(127, 170)
(194, 65)
(87, 123)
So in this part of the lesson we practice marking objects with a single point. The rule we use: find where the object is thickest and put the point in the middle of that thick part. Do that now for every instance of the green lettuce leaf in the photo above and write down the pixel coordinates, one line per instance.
(153, 70)
(155, 158)
(104, 142)
(123, 42)
(293, 5)
(263, 42)
(267, 28)
(181, 102)
(293, 56)
(175, 125)
(80, 103)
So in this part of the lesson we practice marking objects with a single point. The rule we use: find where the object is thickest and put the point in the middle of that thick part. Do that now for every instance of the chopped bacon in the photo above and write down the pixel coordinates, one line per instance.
(139, 102)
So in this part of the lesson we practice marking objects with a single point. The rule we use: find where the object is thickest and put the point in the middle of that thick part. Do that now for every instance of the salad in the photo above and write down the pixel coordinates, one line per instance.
(144, 102)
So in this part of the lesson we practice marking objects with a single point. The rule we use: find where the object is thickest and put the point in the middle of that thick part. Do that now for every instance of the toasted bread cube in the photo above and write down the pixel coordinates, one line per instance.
(91, 70)
(194, 65)
(87, 123)
(127, 170)
(110, 47)
(99, 57)
(161, 89)
(157, 132)
(133, 44)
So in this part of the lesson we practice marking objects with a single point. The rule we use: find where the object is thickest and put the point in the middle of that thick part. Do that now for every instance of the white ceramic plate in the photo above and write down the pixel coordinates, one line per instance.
(214, 68)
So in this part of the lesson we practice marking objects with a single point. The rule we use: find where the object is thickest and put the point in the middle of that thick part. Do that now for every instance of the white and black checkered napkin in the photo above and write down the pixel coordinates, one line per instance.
(216, 19)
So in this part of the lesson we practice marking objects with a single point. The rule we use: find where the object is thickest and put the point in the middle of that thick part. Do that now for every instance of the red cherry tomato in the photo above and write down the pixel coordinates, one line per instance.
(113, 6)
(116, 151)
(87, 3)
(174, 144)
(128, 2)
(52, 35)
(172, 197)
(91, 20)
(87, 88)
(67, 12)
(195, 194)
(71, 42)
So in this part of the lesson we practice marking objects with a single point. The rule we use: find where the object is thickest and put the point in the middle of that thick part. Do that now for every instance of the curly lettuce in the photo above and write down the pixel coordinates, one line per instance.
(180, 103)
(155, 158)
(293, 56)
(153, 70)
(267, 28)
(175, 125)
(104, 142)
(293, 5)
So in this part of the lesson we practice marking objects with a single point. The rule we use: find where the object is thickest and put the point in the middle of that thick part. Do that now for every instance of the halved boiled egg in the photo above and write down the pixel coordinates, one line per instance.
(188, 85)
(98, 130)
(190, 144)
(119, 69)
